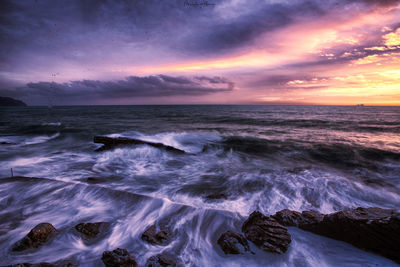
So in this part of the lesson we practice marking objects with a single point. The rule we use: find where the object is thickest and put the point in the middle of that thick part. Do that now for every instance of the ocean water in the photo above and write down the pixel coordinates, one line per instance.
(239, 159)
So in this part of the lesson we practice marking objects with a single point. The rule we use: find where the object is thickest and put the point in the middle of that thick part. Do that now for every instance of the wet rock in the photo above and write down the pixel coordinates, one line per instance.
(294, 218)
(266, 233)
(36, 237)
(93, 180)
(372, 229)
(233, 243)
(156, 238)
(118, 258)
(112, 142)
(91, 230)
(163, 260)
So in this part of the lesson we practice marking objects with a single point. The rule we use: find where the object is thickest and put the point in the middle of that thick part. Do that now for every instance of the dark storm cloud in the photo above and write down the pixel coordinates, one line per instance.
(44, 31)
(130, 87)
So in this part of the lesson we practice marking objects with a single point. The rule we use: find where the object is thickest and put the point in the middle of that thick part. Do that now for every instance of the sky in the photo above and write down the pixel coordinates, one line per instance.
(322, 52)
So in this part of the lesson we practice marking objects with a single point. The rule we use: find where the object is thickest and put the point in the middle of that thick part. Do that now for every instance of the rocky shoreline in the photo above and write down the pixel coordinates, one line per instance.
(372, 229)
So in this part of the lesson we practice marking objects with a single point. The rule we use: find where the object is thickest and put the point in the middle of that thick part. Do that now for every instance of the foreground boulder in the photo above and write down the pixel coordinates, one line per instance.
(233, 243)
(36, 237)
(372, 229)
(152, 236)
(112, 142)
(118, 258)
(91, 230)
(163, 260)
(266, 233)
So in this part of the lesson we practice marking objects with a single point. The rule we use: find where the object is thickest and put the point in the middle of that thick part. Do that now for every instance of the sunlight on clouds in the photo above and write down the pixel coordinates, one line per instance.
(393, 38)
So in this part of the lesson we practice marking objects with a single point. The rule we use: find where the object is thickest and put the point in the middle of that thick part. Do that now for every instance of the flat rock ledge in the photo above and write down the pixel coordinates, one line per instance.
(112, 142)
(119, 257)
(40, 234)
(233, 243)
(372, 229)
(155, 237)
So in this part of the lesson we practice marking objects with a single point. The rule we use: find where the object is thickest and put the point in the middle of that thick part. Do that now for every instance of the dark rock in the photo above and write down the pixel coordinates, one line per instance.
(118, 258)
(293, 218)
(36, 237)
(266, 233)
(93, 180)
(8, 102)
(372, 229)
(7, 143)
(156, 238)
(111, 142)
(91, 230)
(163, 260)
(233, 243)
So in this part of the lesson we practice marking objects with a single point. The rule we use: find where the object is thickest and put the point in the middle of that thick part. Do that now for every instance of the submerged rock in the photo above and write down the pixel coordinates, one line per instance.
(118, 258)
(7, 143)
(91, 230)
(372, 229)
(216, 196)
(266, 233)
(62, 263)
(112, 142)
(156, 238)
(93, 180)
(163, 260)
(36, 237)
(233, 243)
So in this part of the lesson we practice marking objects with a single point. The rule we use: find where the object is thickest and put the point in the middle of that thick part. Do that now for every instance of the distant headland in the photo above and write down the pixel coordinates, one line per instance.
(11, 102)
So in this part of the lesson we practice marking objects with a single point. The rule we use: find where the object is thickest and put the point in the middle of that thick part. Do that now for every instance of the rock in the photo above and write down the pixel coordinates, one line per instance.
(266, 233)
(293, 218)
(118, 258)
(163, 260)
(36, 237)
(156, 238)
(372, 229)
(93, 180)
(7, 143)
(112, 142)
(91, 230)
(233, 243)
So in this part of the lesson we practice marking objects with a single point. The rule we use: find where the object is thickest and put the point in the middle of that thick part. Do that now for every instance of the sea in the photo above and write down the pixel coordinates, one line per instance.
(238, 159)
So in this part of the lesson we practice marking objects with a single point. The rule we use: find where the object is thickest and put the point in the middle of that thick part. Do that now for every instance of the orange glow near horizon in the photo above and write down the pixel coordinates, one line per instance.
(372, 79)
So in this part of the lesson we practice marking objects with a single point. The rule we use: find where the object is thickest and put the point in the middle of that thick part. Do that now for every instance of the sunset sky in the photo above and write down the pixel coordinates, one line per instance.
(335, 52)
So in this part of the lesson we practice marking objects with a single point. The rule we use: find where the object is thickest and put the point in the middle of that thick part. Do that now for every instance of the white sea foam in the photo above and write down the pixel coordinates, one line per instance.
(40, 139)
(51, 124)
